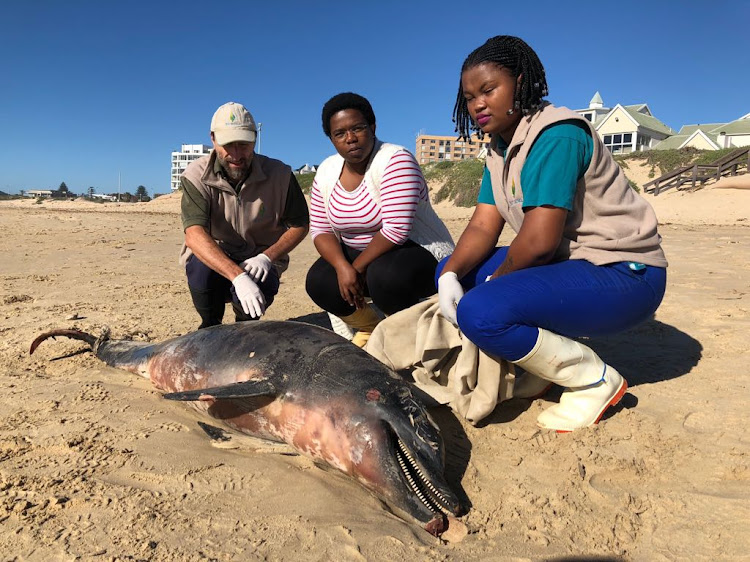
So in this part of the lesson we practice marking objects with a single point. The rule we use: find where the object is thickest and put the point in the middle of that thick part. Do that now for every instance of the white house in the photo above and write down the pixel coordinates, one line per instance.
(734, 134)
(625, 128)
(42, 193)
(710, 136)
(103, 197)
(694, 136)
(307, 169)
(596, 111)
(630, 128)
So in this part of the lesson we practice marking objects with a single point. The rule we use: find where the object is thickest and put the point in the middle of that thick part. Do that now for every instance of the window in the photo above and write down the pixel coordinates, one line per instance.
(619, 143)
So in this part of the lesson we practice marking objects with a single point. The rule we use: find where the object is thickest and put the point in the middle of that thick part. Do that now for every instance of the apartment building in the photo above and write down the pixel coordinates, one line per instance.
(181, 159)
(438, 148)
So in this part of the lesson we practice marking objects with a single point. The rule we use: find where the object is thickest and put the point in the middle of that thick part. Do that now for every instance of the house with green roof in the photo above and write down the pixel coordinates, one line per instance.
(631, 128)
(625, 128)
(595, 111)
(693, 136)
(710, 136)
(736, 133)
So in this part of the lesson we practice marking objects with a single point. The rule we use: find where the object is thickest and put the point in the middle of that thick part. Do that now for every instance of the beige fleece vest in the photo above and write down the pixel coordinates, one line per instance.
(245, 223)
(609, 221)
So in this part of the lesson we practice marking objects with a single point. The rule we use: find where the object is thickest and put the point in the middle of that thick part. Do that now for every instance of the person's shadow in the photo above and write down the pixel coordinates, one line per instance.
(316, 319)
(651, 352)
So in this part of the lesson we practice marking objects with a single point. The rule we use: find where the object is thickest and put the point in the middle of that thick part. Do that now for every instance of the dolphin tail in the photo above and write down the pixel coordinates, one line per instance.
(73, 334)
(247, 389)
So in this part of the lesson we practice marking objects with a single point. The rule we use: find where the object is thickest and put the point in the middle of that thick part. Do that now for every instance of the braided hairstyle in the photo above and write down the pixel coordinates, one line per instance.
(346, 100)
(516, 57)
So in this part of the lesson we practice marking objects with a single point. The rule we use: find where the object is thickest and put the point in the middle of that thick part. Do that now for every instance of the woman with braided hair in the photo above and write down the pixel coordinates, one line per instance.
(586, 258)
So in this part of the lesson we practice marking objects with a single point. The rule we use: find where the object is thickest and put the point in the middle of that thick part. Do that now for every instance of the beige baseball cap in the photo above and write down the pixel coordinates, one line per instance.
(233, 123)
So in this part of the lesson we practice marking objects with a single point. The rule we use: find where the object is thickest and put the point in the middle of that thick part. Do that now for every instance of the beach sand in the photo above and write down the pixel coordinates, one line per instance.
(95, 465)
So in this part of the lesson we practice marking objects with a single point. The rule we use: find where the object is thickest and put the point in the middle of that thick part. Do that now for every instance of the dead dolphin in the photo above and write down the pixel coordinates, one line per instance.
(308, 387)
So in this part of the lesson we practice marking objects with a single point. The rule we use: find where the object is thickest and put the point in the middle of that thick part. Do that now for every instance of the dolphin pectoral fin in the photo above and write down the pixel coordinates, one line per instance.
(247, 389)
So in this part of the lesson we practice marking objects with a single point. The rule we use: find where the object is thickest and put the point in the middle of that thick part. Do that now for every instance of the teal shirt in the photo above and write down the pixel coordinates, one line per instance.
(559, 158)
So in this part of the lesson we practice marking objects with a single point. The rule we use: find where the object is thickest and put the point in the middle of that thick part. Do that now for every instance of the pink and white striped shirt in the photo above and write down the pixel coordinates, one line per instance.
(356, 216)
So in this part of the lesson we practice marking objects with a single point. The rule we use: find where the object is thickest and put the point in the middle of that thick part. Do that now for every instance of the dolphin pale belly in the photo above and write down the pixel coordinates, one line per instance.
(306, 386)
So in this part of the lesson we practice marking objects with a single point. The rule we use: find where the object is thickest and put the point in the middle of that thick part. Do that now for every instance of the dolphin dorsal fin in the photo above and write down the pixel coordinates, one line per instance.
(247, 389)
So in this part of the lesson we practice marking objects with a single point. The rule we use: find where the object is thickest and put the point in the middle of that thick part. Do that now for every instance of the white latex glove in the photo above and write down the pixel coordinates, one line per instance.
(450, 292)
(250, 296)
(257, 267)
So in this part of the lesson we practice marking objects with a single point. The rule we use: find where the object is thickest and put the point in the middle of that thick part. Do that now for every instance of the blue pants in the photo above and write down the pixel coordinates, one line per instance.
(210, 291)
(572, 298)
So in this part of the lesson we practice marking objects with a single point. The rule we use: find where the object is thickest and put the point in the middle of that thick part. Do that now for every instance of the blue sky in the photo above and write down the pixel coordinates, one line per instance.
(92, 89)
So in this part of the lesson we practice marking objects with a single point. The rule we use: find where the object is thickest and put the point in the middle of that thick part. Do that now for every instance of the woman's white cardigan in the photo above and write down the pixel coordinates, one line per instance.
(427, 229)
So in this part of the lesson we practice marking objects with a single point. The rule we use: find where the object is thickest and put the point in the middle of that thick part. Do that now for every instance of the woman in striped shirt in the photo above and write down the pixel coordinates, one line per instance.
(371, 221)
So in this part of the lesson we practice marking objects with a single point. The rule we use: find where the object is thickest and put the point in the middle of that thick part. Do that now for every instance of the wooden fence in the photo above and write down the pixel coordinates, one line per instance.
(696, 175)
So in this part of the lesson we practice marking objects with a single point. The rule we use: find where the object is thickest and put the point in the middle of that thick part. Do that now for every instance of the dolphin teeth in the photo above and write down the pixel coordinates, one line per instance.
(427, 493)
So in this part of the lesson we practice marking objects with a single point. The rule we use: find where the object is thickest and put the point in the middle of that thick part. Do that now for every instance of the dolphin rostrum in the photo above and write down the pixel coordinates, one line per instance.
(306, 386)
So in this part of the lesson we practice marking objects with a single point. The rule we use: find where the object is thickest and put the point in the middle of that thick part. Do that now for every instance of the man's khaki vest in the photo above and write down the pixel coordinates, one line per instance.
(609, 221)
(245, 223)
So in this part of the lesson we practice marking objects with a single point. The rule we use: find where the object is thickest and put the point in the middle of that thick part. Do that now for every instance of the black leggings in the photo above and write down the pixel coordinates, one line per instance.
(394, 281)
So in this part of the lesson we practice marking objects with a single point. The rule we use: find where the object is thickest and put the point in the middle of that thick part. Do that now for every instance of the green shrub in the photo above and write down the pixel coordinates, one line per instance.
(622, 162)
(305, 181)
(461, 178)
(664, 161)
(709, 156)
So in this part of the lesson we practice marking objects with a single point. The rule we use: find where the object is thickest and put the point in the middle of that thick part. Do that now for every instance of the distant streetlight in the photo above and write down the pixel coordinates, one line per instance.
(259, 126)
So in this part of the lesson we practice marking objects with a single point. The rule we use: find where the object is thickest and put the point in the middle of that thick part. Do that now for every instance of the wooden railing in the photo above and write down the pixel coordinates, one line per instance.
(698, 174)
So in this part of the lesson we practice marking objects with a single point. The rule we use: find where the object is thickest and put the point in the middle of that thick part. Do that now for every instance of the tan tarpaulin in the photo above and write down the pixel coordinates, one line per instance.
(447, 366)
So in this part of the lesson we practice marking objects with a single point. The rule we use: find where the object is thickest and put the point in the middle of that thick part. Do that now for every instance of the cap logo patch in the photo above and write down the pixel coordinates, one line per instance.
(231, 117)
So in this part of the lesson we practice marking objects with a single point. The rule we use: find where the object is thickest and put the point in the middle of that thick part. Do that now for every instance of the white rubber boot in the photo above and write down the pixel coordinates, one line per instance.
(592, 386)
(340, 327)
(530, 386)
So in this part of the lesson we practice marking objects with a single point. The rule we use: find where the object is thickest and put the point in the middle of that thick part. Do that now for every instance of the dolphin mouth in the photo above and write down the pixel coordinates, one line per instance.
(420, 484)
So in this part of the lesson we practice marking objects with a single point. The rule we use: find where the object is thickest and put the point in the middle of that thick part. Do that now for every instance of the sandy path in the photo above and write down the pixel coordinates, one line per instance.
(94, 465)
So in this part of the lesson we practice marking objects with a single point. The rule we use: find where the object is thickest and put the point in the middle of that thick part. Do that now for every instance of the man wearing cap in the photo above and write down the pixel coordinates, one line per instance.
(242, 214)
